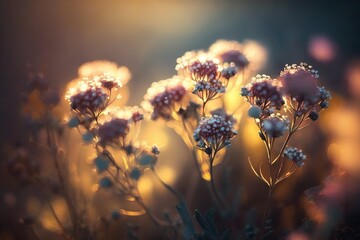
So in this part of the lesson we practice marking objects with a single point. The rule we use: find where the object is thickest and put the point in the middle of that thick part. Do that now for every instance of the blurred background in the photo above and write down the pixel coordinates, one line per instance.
(148, 36)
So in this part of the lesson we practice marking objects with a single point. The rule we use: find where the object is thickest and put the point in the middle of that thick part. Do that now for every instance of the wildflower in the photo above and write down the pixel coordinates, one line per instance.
(229, 52)
(228, 72)
(275, 126)
(109, 82)
(163, 97)
(296, 155)
(214, 133)
(121, 75)
(263, 92)
(205, 71)
(299, 81)
(236, 57)
(114, 130)
(88, 98)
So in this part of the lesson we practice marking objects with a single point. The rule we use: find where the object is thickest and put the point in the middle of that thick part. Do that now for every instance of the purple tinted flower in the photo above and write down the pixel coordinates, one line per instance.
(113, 130)
(299, 84)
(275, 126)
(263, 92)
(163, 96)
(200, 70)
(235, 57)
(214, 133)
(88, 102)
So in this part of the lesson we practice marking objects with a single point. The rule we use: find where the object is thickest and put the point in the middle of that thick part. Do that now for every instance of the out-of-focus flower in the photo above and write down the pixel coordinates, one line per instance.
(275, 126)
(256, 53)
(214, 133)
(118, 124)
(229, 52)
(165, 97)
(88, 98)
(302, 92)
(103, 67)
(322, 49)
(299, 81)
(113, 131)
(296, 155)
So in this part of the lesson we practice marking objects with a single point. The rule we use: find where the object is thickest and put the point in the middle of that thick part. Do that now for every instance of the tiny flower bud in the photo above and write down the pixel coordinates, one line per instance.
(135, 173)
(313, 116)
(73, 122)
(115, 214)
(105, 182)
(254, 112)
(208, 150)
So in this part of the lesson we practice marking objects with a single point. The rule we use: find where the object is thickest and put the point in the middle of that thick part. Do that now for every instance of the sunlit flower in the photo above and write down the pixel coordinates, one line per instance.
(118, 124)
(113, 131)
(104, 67)
(163, 98)
(214, 133)
(275, 126)
(299, 81)
(88, 98)
(229, 53)
(205, 71)
(263, 92)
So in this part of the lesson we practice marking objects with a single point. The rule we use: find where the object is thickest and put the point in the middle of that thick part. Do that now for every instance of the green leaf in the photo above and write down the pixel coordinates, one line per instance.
(189, 229)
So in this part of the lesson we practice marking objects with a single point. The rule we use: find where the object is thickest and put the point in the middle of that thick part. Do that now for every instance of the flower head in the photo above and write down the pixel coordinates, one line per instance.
(163, 97)
(275, 126)
(214, 133)
(198, 67)
(263, 92)
(113, 130)
(88, 97)
(296, 155)
(103, 67)
(299, 81)
(206, 72)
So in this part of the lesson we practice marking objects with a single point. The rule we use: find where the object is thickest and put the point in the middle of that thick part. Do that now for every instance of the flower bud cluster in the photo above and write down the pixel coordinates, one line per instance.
(265, 93)
(163, 96)
(275, 126)
(296, 155)
(213, 133)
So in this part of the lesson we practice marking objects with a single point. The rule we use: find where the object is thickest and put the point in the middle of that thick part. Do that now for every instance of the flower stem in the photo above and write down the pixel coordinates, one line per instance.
(217, 196)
